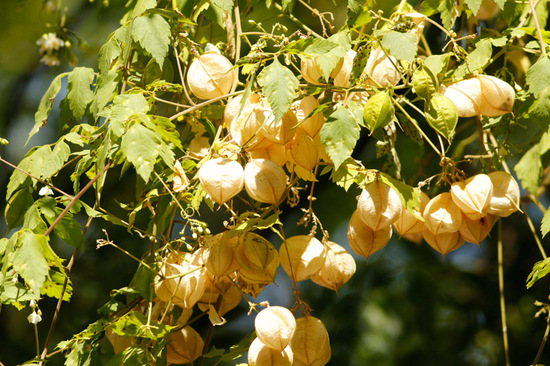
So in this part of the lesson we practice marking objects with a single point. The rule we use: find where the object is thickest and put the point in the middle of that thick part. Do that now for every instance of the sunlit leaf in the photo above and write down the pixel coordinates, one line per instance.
(400, 45)
(29, 259)
(279, 86)
(442, 116)
(153, 33)
(540, 270)
(141, 147)
(80, 92)
(538, 76)
(46, 103)
(340, 134)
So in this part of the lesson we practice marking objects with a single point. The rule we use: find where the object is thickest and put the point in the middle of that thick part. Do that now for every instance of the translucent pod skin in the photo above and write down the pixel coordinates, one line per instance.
(473, 195)
(265, 181)
(185, 346)
(407, 223)
(474, 231)
(442, 215)
(365, 241)
(275, 326)
(311, 343)
(257, 258)
(444, 243)
(505, 199)
(381, 70)
(302, 109)
(222, 179)
(210, 76)
(497, 96)
(379, 205)
(466, 96)
(219, 254)
(302, 257)
(338, 268)
(261, 355)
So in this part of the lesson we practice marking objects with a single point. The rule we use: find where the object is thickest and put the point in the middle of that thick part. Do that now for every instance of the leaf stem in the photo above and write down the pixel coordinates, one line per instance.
(205, 103)
(533, 231)
(537, 26)
(543, 342)
(501, 291)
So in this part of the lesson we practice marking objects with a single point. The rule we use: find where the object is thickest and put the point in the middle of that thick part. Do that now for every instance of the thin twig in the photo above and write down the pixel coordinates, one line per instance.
(543, 343)
(537, 26)
(501, 291)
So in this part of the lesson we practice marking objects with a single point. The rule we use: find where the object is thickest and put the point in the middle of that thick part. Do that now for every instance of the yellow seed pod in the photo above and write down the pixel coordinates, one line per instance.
(379, 205)
(184, 346)
(119, 343)
(277, 131)
(222, 179)
(505, 199)
(311, 343)
(442, 215)
(303, 108)
(321, 150)
(497, 96)
(265, 181)
(338, 268)
(253, 289)
(200, 146)
(365, 241)
(302, 256)
(245, 127)
(302, 150)
(407, 223)
(231, 110)
(444, 243)
(342, 77)
(210, 76)
(312, 73)
(257, 258)
(473, 195)
(466, 96)
(275, 326)
(474, 231)
(230, 295)
(381, 69)
(218, 254)
(274, 152)
(261, 355)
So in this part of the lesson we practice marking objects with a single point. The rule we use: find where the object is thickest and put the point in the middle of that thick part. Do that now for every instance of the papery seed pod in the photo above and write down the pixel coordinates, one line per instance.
(312, 73)
(257, 258)
(302, 150)
(184, 346)
(222, 179)
(119, 343)
(444, 243)
(265, 181)
(497, 96)
(379, 205)
(338, 268)
(303, 108)
(275, 326)
(210, 76)
(473, 195)
(277, 131)
(253, 289)
(407, 223)
(245, 127)
(222, 287)
(365, 241)
(219, 254)
(274, 152)
(302, 256)
(180, 181)
(261, 355)
(321, 150)
(342, 77)
(200, 146)
(487, 10)
(474, 231)
(311, 343)
(232, 109)
(442, 215)
(505, 199)
(466, 96)
(381, 69)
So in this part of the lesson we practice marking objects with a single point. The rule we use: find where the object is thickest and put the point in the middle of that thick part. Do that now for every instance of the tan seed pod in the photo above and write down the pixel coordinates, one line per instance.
(302, 256)
(379, 205)
(302, 150)
(466, 96)
(321, 150)
(210, 76)
(222, 179)
(119, 343)
(311, 343)
(365, 241)
(442, 215)
(505, 199)
(303, 108)
(257, 258)
(312, 73)
(497, 96)
(274, 152)
(275, 326)
(473, 195)
(407, 223)
(474, 231)
(342, 77)
(277, 131)
(180, 181)
(444, 243)
(265, 181)
(338, 268)
(231, 110)
(253, 289)
(261, 355)
(221, 287)
(245, 128)
(381, 69)
(200, 146)
(219, 255)
(184, 346)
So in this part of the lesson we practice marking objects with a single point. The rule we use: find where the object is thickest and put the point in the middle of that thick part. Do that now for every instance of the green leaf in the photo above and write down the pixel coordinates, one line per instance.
(279, 86)
(400, 45)
(476, 60)
(67, 229)
(545, 224)
(53, 287)
(346, 174)
(379, 110)
(106, 88)
(135, 324)
(424, 82)
(225, 5)
(540, 270)
(80, 92)
(339, 135)
(18, 204)
(538, 76)
(357, 14)
(529, 167)
(143, 282)
(153, 33)
(437, 63)
(141, 147)
(45, 106)
(29, 259)
(329, 52)
(447, 10)
(540, 112)
(473, 5)
(410, 196)
(110, 50)
(442, 116)
(124, 107)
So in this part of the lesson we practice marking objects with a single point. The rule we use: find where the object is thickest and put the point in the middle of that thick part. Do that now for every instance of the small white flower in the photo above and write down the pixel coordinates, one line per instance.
(34, 318)
(50, 60)
(210, 48)
(50, 42)
(45, 191)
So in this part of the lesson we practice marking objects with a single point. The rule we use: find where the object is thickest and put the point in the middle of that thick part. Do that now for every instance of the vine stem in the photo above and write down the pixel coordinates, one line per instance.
(298, 21)
(501, 291)
(200, 105)
(537, 26)
(543, 343)
(534, 232)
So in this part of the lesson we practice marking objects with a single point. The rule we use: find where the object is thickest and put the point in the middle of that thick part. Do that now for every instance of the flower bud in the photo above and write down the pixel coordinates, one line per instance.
(275, 326)
(222, 179)
(444, 243)
(257, 258)
(261, 355)
(497, 96)
(473, 195)
(184, 346)
(210, 76)
(442, 215)
(302, 256)
(505, 199)
(365, 241)
(474, 231)
(379, 205)
(303, 108)
(407, 223)
(338, 268)
(264, 180)
(310, 344)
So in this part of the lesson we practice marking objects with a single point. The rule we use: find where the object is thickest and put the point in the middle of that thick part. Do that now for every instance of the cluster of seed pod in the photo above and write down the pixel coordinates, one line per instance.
(283, 340)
